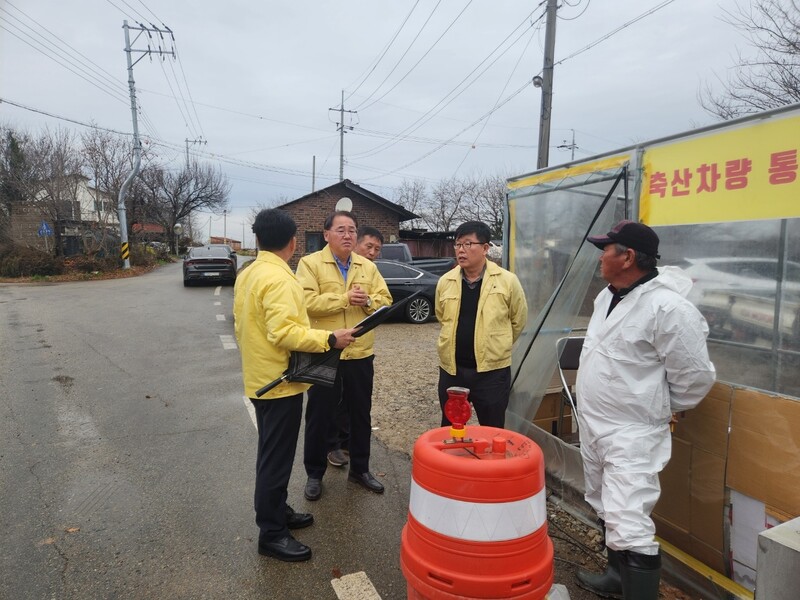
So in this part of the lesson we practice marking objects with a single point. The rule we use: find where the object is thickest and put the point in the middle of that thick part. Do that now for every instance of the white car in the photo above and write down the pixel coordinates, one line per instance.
(746, 275)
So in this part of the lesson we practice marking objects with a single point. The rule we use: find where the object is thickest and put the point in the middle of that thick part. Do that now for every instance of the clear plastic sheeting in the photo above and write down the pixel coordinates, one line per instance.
(550, 225)
(747, 285)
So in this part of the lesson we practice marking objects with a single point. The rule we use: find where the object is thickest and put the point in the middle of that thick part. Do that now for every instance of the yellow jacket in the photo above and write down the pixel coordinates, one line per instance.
(502, 314)
(326, 295)
(270, 322)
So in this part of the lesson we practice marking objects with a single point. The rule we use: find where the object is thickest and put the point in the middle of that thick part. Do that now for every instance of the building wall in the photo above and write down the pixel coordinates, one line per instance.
(235, 244)
(25, 222)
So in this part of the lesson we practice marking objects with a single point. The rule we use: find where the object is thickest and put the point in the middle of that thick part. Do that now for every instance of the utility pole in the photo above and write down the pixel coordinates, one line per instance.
(571, 146)
(188, 141)
(137, 143)
(225, 226)
(314, 173)
(340, 126)
(547, 85)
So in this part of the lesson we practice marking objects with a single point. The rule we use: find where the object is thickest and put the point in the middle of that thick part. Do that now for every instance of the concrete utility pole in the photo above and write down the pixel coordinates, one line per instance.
(225, 226)
(188, 141)
(137, 143)
(571, 146)
(340, 126)
(313, 172)
(547, 85)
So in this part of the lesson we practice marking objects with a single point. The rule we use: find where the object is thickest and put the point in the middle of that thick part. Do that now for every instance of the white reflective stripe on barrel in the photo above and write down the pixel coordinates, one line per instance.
(477, 521)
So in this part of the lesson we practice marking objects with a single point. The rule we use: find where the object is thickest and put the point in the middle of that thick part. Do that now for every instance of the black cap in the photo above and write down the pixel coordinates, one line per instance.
(631, 234)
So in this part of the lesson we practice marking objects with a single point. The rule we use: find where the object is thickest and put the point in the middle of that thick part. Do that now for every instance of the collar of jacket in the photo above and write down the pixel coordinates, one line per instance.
(273, 259)
(355, 259)
(456, 274)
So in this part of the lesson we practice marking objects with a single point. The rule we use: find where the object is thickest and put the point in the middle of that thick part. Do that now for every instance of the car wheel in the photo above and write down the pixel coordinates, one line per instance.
(418, 310)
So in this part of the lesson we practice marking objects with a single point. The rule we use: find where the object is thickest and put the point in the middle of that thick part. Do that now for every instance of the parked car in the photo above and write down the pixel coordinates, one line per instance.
(209, 263)
(403, 280)
(400, 252)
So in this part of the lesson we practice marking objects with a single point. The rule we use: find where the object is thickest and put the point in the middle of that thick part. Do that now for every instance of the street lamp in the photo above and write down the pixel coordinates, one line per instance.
(178, 229)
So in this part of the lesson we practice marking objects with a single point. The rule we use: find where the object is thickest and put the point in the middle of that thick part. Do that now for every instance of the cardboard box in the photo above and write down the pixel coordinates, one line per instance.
(763, 460)
(706, 426)
(707, 498)
(674, 505)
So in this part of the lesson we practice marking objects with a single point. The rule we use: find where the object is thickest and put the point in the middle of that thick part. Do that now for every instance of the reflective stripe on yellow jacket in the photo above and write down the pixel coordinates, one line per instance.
(270, 322)
(326, 295)
(502, 314)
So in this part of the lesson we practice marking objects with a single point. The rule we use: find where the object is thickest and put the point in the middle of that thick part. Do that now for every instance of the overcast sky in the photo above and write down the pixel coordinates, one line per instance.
(256, 82)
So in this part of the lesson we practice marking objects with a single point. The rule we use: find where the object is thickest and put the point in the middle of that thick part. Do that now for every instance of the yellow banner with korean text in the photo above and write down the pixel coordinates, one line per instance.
(742, 174)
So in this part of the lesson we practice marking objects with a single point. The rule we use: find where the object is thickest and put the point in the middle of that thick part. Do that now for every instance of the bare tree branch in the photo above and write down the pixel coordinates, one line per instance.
(769, 79)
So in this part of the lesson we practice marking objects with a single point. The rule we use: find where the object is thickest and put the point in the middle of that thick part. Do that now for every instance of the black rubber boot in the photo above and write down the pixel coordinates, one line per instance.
(641, 574)
(607, 584)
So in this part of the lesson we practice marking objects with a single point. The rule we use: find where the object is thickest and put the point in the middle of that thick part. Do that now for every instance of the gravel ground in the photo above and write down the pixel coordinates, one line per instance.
(405, 405)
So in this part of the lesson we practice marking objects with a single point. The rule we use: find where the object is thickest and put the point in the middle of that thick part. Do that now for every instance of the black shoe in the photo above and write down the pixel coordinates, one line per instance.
(287, 549)
(337, 458)
(296, 520)
(313, 489)
(366, 480)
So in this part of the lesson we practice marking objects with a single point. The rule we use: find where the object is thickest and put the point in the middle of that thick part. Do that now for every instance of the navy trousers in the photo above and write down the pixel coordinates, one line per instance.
(353, 385)
(278, 424)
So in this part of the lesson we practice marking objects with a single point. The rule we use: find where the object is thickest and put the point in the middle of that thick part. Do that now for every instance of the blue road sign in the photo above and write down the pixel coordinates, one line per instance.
(44, 229)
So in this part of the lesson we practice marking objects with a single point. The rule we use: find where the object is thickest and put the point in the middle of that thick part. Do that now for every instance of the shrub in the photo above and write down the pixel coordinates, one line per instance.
(142, 256)
(18, 261)
(90, 264)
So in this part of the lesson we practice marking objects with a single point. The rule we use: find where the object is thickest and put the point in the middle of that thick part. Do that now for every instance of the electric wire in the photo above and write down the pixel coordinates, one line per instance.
(442, 145)
(625, 25)
(98, 70)
(383, 53)
(408, 48)
(588, 2)
(103, 88)
(444, 102)
(414, 66)
(499, 96)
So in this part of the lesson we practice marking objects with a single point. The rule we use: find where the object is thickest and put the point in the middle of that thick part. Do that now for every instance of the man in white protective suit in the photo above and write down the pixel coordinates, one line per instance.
(644, 358)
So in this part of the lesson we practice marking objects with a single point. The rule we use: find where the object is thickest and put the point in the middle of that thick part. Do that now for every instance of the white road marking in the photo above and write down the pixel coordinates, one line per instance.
(217, 303)
(220, 317)
(355, 586)
(228, 342)
(217, 290)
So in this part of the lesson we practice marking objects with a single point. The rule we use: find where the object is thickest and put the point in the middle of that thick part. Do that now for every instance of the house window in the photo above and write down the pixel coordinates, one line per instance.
(314, 241)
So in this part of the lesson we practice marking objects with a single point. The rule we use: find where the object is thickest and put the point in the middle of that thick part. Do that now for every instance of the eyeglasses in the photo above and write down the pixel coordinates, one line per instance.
(341, 231)
(466, 245)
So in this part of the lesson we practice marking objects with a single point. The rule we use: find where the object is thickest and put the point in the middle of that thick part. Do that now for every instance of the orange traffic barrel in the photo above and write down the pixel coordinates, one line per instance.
(477, 518)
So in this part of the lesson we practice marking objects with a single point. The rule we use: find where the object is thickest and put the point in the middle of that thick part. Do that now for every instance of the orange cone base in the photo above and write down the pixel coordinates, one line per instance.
(439, 567)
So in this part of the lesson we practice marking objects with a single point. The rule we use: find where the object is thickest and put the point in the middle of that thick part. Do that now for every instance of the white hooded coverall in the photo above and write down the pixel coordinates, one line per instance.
(640, 364)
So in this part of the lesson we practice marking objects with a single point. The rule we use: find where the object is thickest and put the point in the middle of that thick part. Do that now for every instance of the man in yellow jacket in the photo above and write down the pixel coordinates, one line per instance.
(271, 322)
(482, 310)
(341, 289)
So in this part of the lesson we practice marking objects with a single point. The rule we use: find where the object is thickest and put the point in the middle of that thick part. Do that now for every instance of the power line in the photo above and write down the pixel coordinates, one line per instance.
(397, 64)
(444, 102)
(453, 22)
(385, 50)
(64, 62)
(615, 31)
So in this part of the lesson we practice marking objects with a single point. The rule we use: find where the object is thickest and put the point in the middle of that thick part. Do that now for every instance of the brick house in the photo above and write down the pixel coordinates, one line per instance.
(235, 244)
(309, 213)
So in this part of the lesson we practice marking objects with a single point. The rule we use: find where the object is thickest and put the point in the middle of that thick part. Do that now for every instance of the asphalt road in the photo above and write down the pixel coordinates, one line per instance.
(127, 456)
